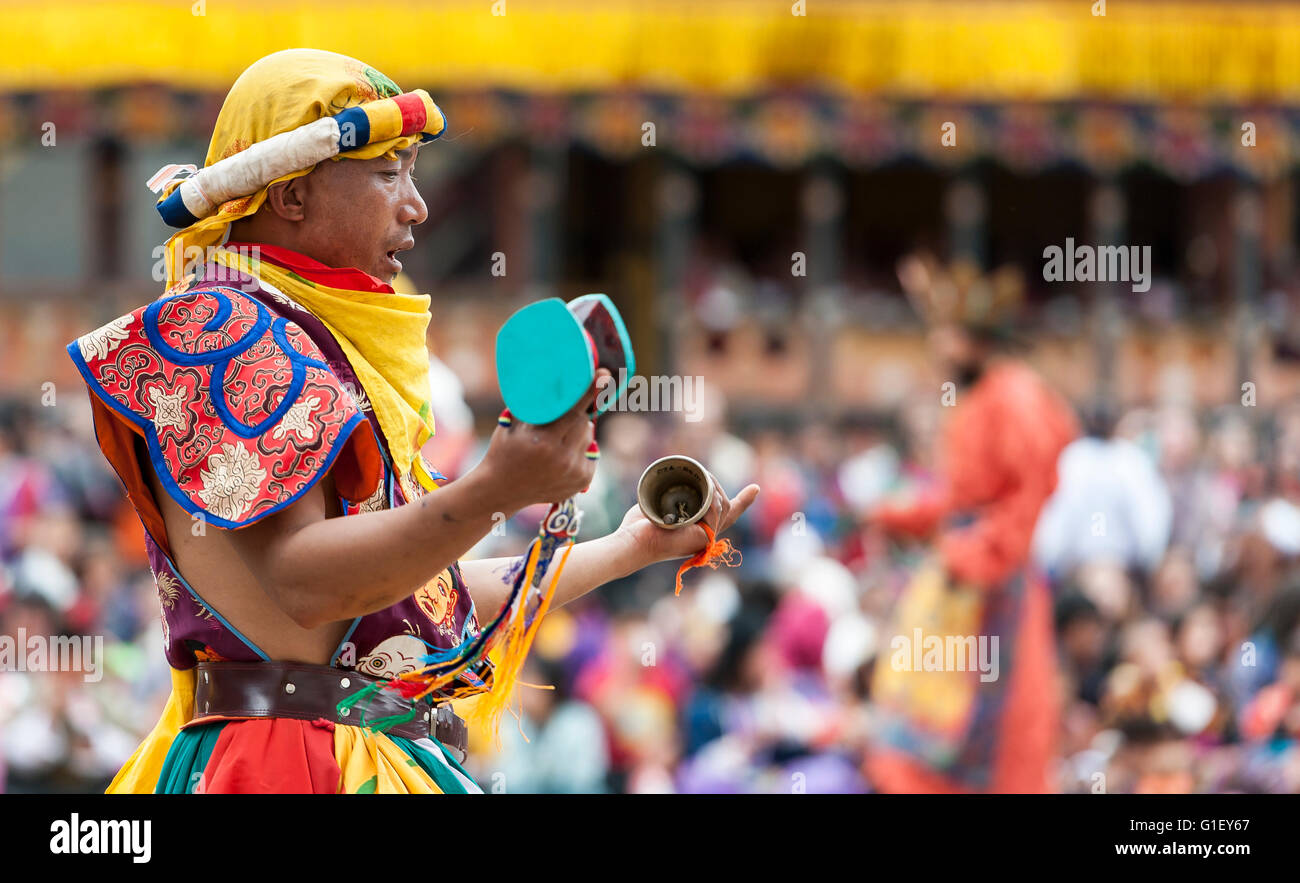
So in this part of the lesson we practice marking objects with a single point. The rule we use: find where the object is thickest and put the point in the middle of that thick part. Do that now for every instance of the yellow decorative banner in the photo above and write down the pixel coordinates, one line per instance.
(1139, 51)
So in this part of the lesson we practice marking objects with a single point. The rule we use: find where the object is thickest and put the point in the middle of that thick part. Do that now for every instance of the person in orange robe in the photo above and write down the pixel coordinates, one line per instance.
(990, 730)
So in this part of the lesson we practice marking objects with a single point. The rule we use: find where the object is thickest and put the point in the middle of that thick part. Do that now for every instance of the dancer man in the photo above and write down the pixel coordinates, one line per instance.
(981, 713)
(266, 418)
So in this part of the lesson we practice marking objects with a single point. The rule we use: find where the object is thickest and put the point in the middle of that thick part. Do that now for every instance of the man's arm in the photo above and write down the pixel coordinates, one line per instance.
(591, 564)
(319, 569)
(637, 543)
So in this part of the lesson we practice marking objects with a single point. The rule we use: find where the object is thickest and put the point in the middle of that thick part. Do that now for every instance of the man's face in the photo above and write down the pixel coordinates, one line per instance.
(359, 213)
(953, 351)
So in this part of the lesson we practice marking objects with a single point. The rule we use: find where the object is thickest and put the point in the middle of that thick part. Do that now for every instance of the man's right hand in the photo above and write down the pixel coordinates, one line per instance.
(530, 464)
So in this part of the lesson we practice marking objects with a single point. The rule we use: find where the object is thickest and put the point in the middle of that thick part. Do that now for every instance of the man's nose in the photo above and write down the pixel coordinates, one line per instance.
(413, 211)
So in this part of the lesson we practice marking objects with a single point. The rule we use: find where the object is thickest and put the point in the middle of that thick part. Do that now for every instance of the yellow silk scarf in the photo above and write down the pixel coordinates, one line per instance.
(383, 336)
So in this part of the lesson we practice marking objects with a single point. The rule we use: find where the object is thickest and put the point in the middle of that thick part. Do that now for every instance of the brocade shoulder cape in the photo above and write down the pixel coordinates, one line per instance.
(244, 400)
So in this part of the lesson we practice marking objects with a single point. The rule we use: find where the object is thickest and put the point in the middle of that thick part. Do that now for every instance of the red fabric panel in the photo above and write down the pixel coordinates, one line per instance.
(272, 756)
(1032, 713)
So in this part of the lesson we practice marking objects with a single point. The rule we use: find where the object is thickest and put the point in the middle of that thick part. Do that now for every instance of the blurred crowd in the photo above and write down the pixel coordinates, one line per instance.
(1171, 547)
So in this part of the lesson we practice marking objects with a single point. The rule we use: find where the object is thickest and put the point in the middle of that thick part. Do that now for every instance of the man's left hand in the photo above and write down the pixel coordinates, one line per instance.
(654, 543)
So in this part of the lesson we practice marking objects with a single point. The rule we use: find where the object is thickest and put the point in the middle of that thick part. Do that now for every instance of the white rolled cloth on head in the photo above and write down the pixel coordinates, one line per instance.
(249, 170)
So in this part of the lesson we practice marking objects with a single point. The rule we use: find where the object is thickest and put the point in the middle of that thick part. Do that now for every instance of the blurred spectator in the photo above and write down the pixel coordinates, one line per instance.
(1110, 504)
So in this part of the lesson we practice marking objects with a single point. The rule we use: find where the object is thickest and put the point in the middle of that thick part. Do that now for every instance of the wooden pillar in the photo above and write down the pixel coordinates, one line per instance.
(678, 200)
(966, 211)
(1247, 224)
(544, 183)
(822, 219)
(1107, 217)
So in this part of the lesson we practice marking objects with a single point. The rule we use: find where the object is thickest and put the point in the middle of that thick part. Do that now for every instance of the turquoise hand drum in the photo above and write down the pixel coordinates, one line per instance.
(548, 352)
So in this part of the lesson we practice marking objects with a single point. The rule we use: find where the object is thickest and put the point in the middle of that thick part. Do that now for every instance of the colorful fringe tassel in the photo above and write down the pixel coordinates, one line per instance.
(515, 644)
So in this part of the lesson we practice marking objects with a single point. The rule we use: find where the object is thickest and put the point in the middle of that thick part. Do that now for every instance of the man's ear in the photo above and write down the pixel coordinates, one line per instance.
(288, 198)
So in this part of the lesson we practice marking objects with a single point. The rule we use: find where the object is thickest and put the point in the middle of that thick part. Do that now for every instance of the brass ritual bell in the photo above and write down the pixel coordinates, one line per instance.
(675, 491)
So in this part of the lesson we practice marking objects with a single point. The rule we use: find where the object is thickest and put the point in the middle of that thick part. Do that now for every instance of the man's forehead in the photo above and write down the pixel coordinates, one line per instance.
(403, 157)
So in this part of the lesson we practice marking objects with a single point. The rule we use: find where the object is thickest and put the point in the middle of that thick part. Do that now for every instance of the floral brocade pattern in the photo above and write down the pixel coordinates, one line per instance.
(239, 407)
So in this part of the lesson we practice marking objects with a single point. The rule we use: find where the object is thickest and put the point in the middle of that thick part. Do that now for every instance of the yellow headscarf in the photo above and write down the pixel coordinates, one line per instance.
(383, 335)
(276, 94)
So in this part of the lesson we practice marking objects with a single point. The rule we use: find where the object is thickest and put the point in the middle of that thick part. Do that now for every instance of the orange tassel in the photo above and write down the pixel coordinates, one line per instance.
(518, 639)
(715, 553)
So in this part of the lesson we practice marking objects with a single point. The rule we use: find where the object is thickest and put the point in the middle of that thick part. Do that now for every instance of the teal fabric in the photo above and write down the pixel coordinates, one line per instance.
(447, 782)
(188, 758)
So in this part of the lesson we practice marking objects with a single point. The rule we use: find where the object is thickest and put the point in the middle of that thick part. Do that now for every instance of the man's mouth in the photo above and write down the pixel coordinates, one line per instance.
(391, 254)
